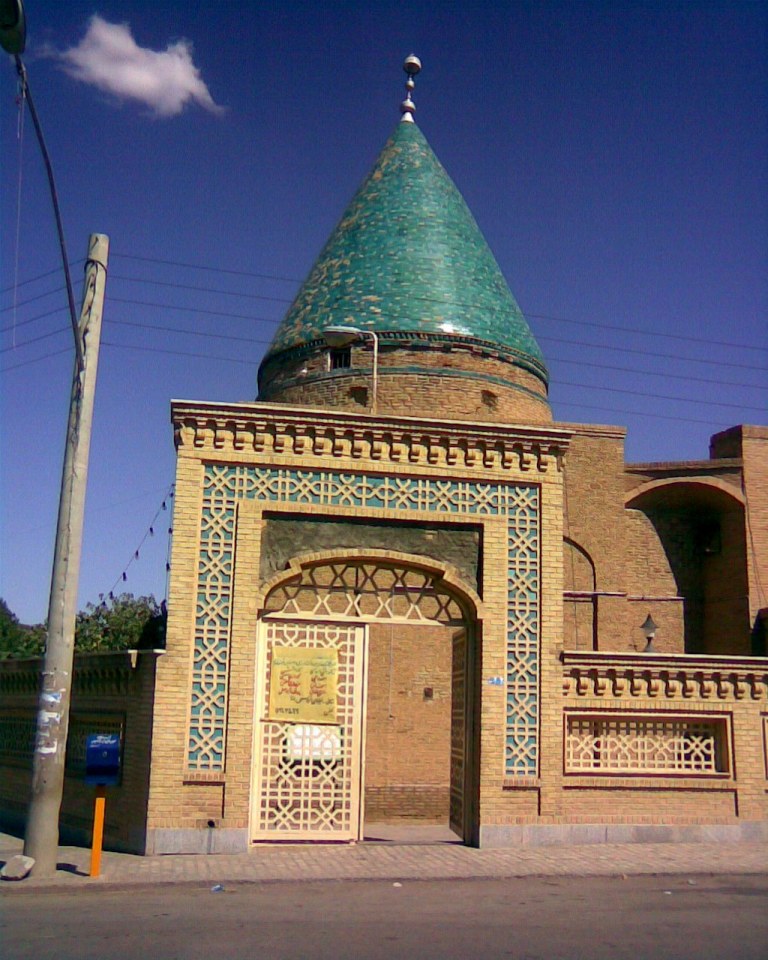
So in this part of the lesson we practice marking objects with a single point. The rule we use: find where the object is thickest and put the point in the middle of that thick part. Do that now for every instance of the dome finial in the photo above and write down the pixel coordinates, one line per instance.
(411, 65)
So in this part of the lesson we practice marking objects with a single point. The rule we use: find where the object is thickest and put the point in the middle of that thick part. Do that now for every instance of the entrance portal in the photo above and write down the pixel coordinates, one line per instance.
(363, 702)
(415, 728)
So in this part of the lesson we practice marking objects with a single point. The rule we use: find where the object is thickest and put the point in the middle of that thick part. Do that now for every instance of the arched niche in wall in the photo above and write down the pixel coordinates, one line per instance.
(700, 533)
(579, 607)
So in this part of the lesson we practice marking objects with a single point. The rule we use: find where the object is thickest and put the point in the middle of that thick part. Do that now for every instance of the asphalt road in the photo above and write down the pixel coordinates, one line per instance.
(663, 918)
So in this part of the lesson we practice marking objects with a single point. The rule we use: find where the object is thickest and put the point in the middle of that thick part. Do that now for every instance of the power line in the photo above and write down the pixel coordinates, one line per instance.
(653, 333)
(646, 414)
(187, 331)
(26, 343)
(656, 396)
(656, 373)
(640, 413)
(651, 353)
(200, 266)
(456, 303)
(189, 286)
(581, 363)
(176, 353)
(578, 343)
(26, 363)
(40, 276)
(453, 303)
(23, 303)
(255, 340)
(635, 393)
(585, 323)
(210, 313)
(39, 316)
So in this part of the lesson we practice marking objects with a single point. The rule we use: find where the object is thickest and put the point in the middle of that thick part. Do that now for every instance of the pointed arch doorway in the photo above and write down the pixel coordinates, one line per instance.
(365, 699)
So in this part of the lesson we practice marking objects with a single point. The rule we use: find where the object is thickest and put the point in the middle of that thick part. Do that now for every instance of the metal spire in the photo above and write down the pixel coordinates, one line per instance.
(411, 65)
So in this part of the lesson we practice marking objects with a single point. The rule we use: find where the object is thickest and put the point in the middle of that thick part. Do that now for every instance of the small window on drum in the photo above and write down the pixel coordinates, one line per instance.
(340, 358)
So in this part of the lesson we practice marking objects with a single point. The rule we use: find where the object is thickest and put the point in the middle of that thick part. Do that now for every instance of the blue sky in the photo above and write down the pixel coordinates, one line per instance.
(614, 154)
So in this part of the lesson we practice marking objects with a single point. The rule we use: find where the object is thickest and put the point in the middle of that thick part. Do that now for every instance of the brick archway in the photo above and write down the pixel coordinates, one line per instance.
(410, 626)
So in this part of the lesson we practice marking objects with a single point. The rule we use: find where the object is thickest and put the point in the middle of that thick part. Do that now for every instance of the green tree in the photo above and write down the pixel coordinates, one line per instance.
(16, 639)
(125, 623)
(10, 630)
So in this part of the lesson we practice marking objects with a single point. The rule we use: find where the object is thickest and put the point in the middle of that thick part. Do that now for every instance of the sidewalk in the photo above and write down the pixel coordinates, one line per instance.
(390, 861)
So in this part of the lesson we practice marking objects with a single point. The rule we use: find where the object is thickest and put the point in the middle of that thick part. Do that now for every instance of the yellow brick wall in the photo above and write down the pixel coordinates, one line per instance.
(621, 544)
(750, 443)
(408, 722)
(459, 383)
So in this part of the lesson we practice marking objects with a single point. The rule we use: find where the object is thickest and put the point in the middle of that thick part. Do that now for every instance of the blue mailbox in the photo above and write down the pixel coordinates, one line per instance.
(102, 759)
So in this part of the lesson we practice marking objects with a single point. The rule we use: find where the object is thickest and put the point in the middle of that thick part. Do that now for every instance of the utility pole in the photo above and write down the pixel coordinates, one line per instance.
(42, 834)
(41, 842)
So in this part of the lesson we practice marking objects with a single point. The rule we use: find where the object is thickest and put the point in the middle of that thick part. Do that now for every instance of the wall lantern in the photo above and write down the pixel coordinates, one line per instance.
(649, 629)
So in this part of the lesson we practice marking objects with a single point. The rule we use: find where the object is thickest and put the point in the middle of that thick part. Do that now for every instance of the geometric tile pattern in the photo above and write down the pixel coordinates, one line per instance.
(225, 484)
(647, 745)
(212, 617)
(370, 272)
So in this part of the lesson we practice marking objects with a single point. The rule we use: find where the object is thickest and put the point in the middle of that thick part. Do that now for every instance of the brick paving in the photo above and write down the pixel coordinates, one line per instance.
(393, 861)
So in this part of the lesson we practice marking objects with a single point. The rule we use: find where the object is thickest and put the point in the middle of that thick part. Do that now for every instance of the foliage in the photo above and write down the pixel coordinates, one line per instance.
(16, 640)
(125, 623)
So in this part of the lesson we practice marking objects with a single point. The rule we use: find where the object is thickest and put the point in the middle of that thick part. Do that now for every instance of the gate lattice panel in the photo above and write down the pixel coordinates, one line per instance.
(307, 775)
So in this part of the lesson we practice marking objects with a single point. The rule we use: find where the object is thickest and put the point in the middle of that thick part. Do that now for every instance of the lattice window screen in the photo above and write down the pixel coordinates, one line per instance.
(643, 744)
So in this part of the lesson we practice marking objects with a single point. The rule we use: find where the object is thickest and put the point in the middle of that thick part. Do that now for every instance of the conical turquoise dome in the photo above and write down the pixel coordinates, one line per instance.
(408, 258)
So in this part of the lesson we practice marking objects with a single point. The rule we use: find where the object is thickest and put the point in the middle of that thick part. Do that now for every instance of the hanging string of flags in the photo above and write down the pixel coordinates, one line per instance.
(136, 555)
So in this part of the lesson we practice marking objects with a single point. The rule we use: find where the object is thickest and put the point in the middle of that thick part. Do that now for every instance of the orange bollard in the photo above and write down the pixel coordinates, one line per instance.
(98, 828)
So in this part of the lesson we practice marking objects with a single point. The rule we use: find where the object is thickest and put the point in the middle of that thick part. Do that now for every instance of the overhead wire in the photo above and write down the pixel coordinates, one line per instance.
(26, 343)
(39, 276)
(185, 331)
(443, 301)
(23, 303)
(200, 266)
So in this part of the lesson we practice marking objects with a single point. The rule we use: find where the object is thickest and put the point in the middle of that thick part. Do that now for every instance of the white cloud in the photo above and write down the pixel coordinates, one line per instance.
(109, 58)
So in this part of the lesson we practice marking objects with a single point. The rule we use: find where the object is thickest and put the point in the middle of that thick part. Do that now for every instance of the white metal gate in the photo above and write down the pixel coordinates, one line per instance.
(309, 731)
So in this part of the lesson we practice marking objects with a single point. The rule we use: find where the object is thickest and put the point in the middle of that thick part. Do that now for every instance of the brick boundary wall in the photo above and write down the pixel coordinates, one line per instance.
(113, 692)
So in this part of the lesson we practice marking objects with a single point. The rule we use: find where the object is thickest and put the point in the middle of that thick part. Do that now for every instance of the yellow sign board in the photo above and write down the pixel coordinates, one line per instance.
(302, 684)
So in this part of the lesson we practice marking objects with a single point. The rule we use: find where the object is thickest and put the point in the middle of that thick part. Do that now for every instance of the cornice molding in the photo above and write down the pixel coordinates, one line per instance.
(279, 430)
(664, 676)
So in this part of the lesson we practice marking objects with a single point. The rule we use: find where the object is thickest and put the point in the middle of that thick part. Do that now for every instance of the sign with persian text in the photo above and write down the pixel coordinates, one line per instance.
(302, 685)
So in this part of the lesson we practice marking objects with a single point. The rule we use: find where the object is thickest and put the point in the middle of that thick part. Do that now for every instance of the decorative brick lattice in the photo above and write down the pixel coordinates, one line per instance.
(308, 775)
(648, 745)
(366, 591)
(212, 617)
(225, 485)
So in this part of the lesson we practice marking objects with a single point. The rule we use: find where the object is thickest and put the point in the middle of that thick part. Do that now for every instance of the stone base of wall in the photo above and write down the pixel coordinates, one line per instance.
(189, 840)
(532, 835)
